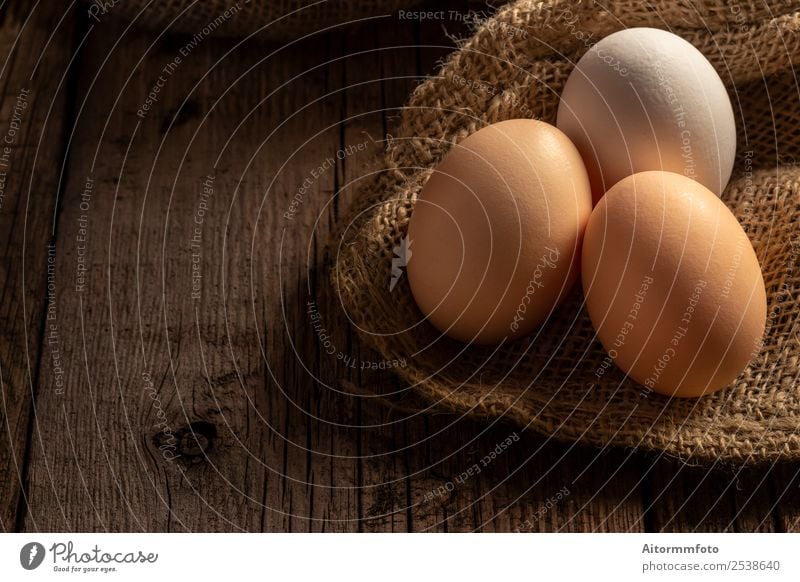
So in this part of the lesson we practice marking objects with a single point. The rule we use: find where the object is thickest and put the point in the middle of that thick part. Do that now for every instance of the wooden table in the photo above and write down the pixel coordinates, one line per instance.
(160, 369)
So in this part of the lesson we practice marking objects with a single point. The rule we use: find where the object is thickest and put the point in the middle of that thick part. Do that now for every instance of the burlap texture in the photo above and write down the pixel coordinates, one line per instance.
(273, 19)
(515, 65)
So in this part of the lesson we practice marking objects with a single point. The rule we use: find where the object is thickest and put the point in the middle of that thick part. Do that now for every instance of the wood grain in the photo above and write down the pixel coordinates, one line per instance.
(370, 101)
(723, 499)
(35, 86)
(210, 373)
(786, 498)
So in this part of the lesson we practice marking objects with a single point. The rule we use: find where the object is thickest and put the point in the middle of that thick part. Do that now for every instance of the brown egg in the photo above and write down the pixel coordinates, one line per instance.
(495, 234)
(672, 284)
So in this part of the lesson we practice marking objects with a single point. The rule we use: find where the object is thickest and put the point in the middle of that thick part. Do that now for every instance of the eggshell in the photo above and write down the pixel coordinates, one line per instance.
(672, 284)
(495, 234)
(645, 99)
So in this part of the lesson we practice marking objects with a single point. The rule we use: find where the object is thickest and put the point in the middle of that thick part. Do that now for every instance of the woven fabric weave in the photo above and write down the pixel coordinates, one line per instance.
(515, 65)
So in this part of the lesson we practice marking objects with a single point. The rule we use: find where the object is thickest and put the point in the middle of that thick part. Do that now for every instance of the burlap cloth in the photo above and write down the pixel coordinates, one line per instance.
(515, 65)
(274, 19)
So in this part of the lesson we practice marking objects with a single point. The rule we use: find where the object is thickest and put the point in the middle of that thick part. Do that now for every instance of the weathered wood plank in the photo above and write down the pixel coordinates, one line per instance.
(34, 80)
(369, 100)
(207, 398)
(784, 497)
(732, 499)
(176, 422)
(324, 357)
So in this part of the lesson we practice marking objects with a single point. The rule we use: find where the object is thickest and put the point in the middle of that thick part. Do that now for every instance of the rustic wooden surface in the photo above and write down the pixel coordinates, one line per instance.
(225, 412)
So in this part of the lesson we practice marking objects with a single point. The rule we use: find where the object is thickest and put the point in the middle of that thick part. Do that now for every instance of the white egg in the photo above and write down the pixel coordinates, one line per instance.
(645, 99)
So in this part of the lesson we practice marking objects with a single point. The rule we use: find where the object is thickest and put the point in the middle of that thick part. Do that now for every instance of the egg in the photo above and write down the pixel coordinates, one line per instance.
(494, 238)
(645, 99)
(672, 284)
